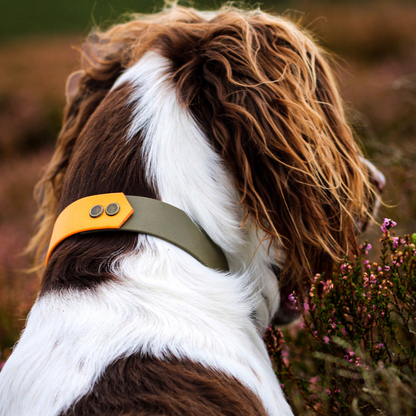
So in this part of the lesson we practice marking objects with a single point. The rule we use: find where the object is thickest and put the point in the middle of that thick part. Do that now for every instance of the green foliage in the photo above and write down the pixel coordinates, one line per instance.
(25, 17)
(355, 350)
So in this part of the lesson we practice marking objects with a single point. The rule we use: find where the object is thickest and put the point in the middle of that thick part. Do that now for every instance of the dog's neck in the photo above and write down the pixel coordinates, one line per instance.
(141, 141)
(189, 174)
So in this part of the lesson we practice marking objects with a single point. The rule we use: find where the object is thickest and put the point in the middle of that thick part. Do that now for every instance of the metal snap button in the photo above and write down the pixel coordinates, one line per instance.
(96, 211)
(112, 209)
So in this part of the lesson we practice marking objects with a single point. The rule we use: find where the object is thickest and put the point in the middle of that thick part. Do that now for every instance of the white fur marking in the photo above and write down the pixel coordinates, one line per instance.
(191, 176)
(157, 307)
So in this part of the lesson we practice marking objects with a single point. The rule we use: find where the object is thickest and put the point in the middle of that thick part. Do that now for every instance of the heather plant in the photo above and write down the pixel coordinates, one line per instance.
(354, 350)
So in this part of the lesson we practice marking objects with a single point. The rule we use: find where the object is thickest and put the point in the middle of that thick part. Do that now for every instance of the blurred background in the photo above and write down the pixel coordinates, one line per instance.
(375, 45)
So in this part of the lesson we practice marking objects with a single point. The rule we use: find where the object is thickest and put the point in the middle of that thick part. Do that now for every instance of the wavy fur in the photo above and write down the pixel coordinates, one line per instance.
(264, 94)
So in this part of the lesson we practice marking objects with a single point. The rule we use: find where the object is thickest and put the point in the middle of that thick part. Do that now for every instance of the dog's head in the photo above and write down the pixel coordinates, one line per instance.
(261, 93)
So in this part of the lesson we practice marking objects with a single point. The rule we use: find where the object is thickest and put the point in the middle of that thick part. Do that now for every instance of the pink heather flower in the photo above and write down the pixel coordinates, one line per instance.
(402, 241)
(388, 223)
(386, 268)
(326, 339)
(380, 345)
(395, 241)
(292, 298)
(343, 267)
(379, 269)
(328, 391)
(374, 307)
(369, 247)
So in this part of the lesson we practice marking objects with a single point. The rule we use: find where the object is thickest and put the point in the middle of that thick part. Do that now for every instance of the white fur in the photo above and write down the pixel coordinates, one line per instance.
(191, 176)
(158, 307)
(164, 301)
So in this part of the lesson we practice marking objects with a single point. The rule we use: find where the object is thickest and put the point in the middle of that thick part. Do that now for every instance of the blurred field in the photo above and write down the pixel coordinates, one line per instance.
(376, 43)
(26, 17)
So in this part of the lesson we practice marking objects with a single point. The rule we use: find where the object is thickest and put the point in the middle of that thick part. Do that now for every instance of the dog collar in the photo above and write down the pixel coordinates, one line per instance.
(118, 212)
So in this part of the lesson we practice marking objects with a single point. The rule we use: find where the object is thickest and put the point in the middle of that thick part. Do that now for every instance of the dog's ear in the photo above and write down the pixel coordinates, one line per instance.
(265, 95)
(72, 85)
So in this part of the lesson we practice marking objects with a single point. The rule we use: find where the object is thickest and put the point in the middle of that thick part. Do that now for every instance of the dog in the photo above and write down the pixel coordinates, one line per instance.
(231, 121)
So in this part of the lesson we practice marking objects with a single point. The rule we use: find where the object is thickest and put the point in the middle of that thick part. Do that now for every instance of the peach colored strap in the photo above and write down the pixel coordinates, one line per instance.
(75, 218)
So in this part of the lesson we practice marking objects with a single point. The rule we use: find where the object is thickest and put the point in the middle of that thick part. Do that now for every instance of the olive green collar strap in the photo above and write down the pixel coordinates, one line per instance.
(117, 212)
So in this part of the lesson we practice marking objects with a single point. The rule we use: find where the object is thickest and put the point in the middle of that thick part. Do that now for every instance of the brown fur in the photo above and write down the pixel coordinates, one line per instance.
(146, 386)
(102, 161)
(266, 98)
